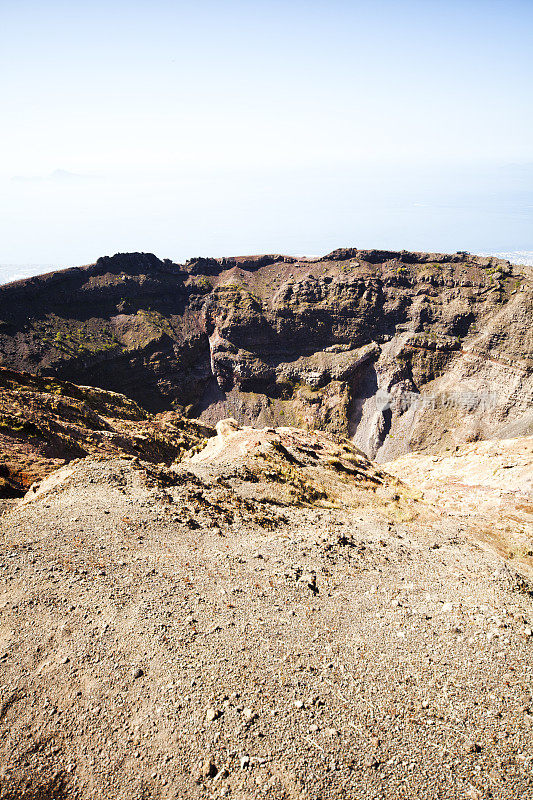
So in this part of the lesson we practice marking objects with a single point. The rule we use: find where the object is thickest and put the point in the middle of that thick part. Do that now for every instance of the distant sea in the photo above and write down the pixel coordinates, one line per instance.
(14, 272)
(516, 257)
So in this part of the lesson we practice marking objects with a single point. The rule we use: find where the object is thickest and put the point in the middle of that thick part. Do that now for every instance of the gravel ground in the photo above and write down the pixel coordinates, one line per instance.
(148, 652)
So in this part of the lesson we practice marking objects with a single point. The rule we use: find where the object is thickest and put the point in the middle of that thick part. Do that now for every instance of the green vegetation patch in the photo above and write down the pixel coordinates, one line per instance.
(74, 338)
(13, 424)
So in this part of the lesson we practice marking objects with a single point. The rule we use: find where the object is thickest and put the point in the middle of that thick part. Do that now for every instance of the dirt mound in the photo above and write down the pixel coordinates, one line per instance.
(290, 466)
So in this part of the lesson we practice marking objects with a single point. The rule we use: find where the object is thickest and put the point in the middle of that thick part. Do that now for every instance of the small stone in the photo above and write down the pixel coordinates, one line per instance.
(528, 632)
(472, 747)
(245, 762)
(211, 714)
(209, 768)
(309, 580)
(137, 673)
(248, 714)
(298, 704)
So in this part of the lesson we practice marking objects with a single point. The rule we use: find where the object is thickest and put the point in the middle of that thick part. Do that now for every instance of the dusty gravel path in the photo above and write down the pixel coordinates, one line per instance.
(147, 653)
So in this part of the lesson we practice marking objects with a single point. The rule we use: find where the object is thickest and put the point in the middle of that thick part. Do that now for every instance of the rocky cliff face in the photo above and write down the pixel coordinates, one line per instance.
(397, 350)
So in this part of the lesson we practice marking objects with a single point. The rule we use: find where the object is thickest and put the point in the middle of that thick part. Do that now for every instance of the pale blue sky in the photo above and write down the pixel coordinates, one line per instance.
(229, 127)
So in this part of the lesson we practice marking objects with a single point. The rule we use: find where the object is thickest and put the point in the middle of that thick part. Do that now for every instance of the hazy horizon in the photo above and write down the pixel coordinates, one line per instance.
(238, 127)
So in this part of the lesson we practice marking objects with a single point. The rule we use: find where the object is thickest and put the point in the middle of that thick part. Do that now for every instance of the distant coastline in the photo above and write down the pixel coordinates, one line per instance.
(15, 272)
(515, 257)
